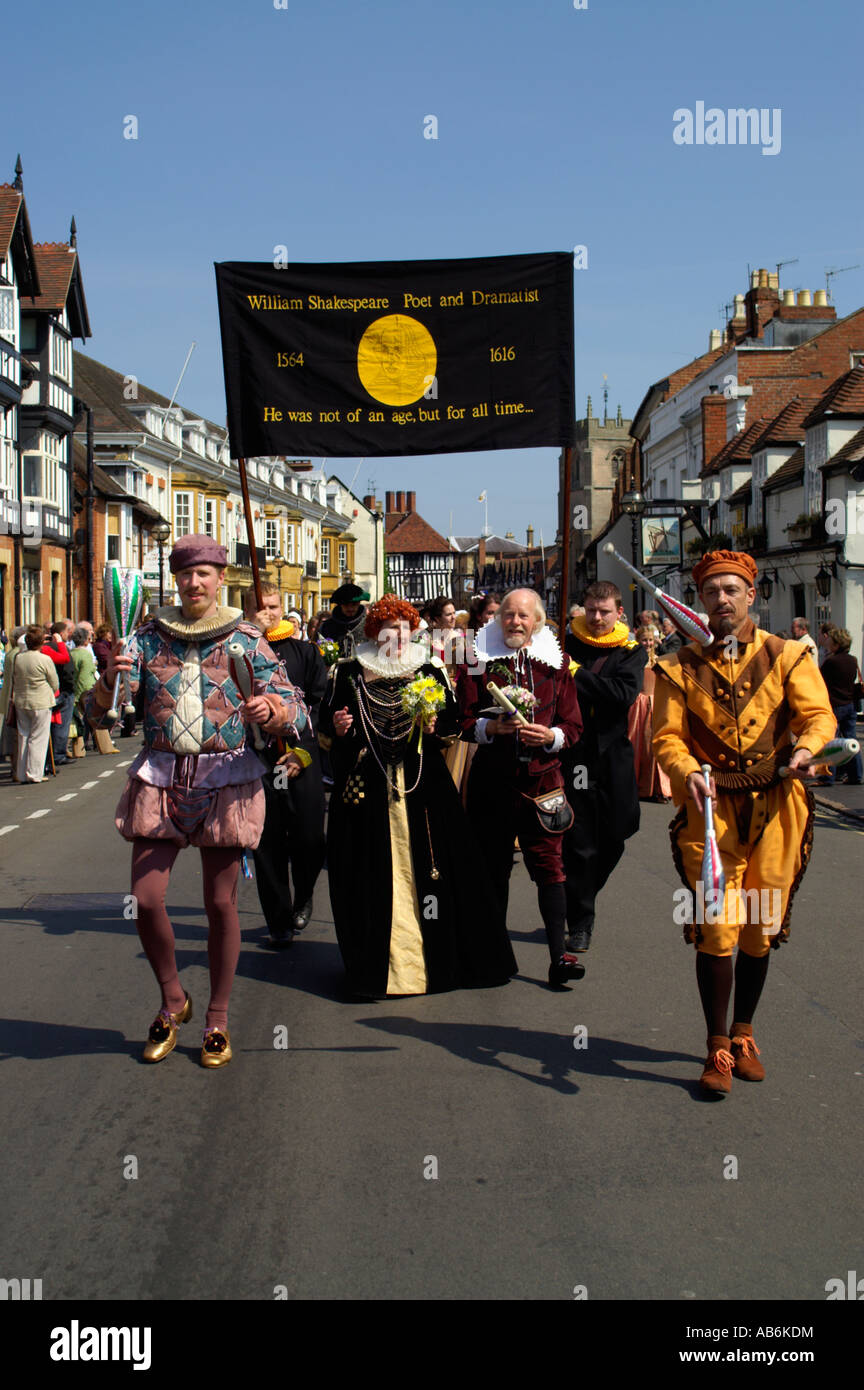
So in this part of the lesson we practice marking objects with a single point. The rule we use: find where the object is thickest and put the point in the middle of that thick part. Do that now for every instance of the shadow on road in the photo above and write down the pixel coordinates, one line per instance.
(559, 1061)
(37, 1041)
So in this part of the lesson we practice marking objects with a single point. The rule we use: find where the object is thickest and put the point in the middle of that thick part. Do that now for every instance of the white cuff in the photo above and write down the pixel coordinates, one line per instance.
(480, 735)
(558, 743)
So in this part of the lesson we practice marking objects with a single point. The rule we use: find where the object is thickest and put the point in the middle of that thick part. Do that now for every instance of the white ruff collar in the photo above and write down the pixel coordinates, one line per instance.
(489, 645)
(370, 658)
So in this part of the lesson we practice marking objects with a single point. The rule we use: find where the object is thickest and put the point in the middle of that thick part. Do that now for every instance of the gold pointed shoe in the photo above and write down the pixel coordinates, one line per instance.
(162, 1037)
(216, 1048)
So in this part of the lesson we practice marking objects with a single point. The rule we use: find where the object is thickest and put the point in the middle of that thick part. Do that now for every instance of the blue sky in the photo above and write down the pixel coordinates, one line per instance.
(303, 126)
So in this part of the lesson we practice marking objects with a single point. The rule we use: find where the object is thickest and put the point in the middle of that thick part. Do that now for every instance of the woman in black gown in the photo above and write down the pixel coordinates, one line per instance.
(413, 908)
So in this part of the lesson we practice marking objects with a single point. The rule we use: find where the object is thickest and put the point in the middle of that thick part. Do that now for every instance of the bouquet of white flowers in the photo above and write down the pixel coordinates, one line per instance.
(329, 651)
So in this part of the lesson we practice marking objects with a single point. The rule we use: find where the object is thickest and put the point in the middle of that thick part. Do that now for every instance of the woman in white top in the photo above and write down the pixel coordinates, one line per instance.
(34, 692)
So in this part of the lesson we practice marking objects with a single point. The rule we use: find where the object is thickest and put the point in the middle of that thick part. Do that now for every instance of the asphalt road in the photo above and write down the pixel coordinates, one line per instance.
(308, 1169)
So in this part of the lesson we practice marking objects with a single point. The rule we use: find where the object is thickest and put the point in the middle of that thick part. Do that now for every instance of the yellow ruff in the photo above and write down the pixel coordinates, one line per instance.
(282, 630)
(616, 638)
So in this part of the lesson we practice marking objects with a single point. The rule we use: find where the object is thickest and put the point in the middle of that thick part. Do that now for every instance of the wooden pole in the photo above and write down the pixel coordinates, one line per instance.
(565, 545)
(250, 533)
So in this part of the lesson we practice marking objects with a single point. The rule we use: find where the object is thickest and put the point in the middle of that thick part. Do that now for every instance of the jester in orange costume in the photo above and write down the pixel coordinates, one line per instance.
(748, 705)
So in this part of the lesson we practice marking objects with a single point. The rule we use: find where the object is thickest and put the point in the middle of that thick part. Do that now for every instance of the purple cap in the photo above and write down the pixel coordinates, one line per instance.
(197, 550)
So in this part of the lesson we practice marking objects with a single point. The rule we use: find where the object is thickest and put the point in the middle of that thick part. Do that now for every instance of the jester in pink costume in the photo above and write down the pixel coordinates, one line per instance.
(197, 780)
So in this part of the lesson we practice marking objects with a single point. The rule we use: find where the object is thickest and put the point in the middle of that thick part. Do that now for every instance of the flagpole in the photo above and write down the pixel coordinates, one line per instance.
(250, 534)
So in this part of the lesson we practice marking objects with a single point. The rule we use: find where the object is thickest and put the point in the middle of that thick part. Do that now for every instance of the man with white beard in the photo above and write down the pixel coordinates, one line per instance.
(516, 786)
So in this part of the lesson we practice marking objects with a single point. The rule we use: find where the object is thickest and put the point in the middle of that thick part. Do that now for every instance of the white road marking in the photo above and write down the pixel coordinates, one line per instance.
(4, 829)
(109, 773)
(34, 815)
(126, 764)
(67, 797)
(85, 786)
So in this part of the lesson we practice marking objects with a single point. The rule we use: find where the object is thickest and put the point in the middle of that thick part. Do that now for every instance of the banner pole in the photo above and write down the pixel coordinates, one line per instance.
(250, 534)
(565, 545)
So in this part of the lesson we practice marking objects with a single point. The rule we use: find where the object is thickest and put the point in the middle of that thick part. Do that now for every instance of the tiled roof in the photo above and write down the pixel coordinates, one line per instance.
(736, 449)
(684, 375)
(102, 388)
(495, 545)
(851, 452)
(55, 262)
(787, 427)
(15, 236)
(10, 204)
(406, 531)
(789, 472)
(744, 493)
(845, 396)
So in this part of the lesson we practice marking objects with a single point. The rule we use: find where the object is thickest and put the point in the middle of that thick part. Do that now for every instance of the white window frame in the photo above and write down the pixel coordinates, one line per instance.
(325, 554)
(182, 498)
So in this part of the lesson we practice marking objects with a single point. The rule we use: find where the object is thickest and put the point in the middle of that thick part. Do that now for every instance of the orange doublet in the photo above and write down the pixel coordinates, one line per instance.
(740, 707)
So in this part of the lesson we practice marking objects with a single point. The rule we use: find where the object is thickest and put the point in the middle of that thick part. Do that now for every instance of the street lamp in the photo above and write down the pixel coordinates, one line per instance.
(766, 587)
(689, 595)
(633, 503)
(280, 562)
(823, 579)
(160, 533)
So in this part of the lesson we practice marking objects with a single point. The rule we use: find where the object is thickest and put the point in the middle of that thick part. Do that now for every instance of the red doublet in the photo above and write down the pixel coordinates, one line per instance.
(501, 780)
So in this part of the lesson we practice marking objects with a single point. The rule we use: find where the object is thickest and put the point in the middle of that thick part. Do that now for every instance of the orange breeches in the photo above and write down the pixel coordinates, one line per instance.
(764, 840)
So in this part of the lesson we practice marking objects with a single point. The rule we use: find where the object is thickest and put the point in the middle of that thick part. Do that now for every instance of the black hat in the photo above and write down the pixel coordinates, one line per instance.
(349, 593)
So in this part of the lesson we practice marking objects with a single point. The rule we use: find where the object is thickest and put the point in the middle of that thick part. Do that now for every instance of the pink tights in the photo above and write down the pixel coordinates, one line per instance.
(152, 861)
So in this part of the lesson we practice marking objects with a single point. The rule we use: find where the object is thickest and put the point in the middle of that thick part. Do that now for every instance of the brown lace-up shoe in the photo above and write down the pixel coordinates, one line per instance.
(746, 1053)
(716, 1079)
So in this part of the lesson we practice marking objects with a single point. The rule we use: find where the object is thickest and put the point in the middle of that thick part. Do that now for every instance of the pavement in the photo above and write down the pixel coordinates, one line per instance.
(510, 1143)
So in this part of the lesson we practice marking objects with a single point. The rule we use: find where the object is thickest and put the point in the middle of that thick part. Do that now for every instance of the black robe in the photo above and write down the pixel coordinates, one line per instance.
(381, 853)
(604, 749)
(293, 835)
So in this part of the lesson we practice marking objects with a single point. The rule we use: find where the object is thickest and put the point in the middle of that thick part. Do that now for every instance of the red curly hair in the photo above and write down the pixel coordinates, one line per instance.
(390, 609)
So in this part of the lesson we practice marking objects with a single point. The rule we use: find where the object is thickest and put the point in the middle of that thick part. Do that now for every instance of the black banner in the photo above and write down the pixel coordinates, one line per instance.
(401, 357)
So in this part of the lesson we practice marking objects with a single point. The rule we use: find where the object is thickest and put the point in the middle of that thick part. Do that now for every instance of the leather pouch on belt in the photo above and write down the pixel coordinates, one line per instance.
(554, 811)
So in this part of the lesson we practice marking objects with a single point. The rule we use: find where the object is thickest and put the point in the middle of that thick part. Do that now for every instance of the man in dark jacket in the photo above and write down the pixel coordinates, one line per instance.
(600, 777)
(293, 834)
(347, 621)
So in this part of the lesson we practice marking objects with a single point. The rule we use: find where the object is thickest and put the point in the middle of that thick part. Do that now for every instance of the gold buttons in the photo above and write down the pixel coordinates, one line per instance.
(749, 762)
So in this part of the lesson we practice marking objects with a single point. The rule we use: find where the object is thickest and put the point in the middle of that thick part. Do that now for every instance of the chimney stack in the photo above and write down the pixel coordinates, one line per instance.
(400, 501)
(805, 299)
(713, 426)
(411, 496)
(389, 501)
(820, 298)
(715, 340)
(529, 537)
